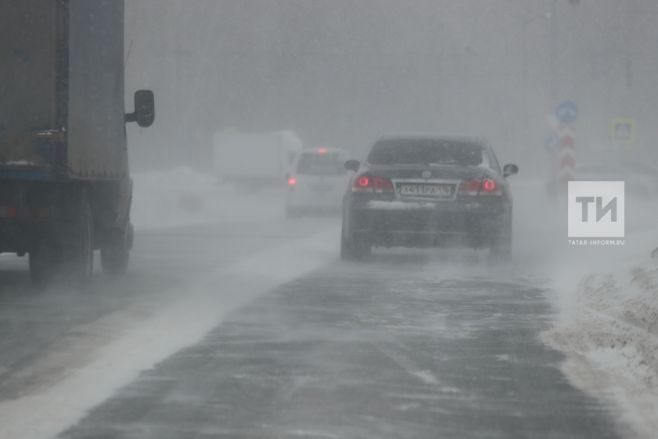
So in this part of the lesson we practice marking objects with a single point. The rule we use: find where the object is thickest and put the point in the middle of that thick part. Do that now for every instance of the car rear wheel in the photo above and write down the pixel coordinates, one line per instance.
(352, 248)
(501, 246)
(346, 252)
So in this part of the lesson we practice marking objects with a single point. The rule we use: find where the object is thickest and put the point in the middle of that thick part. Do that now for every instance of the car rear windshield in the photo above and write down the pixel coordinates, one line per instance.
(426, 152)
(329, 163)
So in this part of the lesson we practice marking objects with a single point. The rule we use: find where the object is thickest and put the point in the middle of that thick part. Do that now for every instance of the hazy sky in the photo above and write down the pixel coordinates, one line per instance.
(342, 72)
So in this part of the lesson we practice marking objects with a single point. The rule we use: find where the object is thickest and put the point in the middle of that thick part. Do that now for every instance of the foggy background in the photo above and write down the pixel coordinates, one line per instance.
(340, 73)
(243, 322)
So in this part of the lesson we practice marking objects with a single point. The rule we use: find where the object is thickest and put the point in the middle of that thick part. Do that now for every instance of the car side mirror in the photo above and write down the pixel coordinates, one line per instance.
(144, 113)
(510, 169)
(352, 165)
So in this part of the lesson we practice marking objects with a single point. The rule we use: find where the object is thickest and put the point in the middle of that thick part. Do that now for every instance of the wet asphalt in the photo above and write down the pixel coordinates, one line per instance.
(406, 345)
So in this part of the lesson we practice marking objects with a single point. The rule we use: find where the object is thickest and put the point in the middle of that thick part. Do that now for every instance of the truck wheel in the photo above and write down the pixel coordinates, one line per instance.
(115, 254)
(42, 262)
(79, 252)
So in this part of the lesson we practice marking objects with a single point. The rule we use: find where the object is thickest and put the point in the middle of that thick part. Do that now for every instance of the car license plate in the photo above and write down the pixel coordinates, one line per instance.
(426, 190)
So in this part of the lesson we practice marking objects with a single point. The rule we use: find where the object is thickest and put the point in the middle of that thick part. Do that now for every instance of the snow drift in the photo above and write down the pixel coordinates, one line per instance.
(609, 332)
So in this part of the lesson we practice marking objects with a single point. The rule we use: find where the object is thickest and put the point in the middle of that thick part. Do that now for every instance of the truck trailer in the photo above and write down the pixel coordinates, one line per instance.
(65, 186)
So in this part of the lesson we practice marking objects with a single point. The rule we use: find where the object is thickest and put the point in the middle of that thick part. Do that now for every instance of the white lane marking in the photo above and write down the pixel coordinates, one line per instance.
(425, 376)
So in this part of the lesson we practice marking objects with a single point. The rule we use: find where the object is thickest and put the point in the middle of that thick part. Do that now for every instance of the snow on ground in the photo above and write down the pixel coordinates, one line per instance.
(608, 328)
(182, 196)
(606, 297)
(606, 300)
(203, 306)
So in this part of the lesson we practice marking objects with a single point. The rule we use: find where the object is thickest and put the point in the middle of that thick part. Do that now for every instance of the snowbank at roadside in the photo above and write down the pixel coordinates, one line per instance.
(606, 302)
(608, 328)
(182, 196)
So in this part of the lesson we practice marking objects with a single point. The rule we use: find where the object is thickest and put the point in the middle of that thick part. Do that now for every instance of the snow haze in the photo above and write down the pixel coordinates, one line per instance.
(225, 272)
(342, 72)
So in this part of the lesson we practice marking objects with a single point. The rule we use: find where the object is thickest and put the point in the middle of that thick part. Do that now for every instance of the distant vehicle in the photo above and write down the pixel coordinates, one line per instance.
(253, 161)
(65, 186)
(427, 190)
(316, 181)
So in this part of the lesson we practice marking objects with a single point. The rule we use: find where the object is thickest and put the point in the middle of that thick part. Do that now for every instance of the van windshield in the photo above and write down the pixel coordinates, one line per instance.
(329, 163)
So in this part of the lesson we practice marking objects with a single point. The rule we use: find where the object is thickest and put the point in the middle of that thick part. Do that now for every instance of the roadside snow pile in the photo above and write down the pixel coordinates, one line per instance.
(182, 197)
(609, 331)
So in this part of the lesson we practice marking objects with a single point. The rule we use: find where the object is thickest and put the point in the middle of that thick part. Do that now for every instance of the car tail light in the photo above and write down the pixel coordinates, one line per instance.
(363, 182)
(372, 183)
(470, 187)
(486, 186)
(489, 185)
(322, 151)
(292, 181)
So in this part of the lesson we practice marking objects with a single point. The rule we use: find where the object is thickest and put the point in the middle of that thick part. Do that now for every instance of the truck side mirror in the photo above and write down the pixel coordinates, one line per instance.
(144, 113)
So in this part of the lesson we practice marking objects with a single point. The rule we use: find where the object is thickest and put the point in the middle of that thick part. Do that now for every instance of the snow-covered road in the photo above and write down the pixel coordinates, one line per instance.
(407, 345)
(416, 340)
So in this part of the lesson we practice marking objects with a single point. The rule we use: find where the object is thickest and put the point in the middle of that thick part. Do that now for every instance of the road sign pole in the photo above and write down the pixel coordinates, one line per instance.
(566, 155)
(566, 113)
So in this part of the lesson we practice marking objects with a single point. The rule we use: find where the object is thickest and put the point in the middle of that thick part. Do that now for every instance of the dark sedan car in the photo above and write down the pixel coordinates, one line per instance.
(427, 191)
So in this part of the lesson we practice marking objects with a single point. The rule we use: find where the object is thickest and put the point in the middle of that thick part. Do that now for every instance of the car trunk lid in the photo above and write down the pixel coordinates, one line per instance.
(428, 182)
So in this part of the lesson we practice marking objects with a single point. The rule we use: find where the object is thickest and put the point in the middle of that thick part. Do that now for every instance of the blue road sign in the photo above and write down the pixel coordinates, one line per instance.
(567, 112)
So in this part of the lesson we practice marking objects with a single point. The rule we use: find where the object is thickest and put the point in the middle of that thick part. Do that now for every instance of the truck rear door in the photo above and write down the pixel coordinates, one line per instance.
(96, 140)
(28, 82)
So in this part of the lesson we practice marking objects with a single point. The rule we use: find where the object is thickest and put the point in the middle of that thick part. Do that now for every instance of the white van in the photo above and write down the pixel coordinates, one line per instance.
(254, 161)
(316, 181)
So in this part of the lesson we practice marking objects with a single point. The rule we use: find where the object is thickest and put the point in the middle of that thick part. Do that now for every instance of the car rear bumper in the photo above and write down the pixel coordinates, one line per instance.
(319, 204)
(396, 223)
